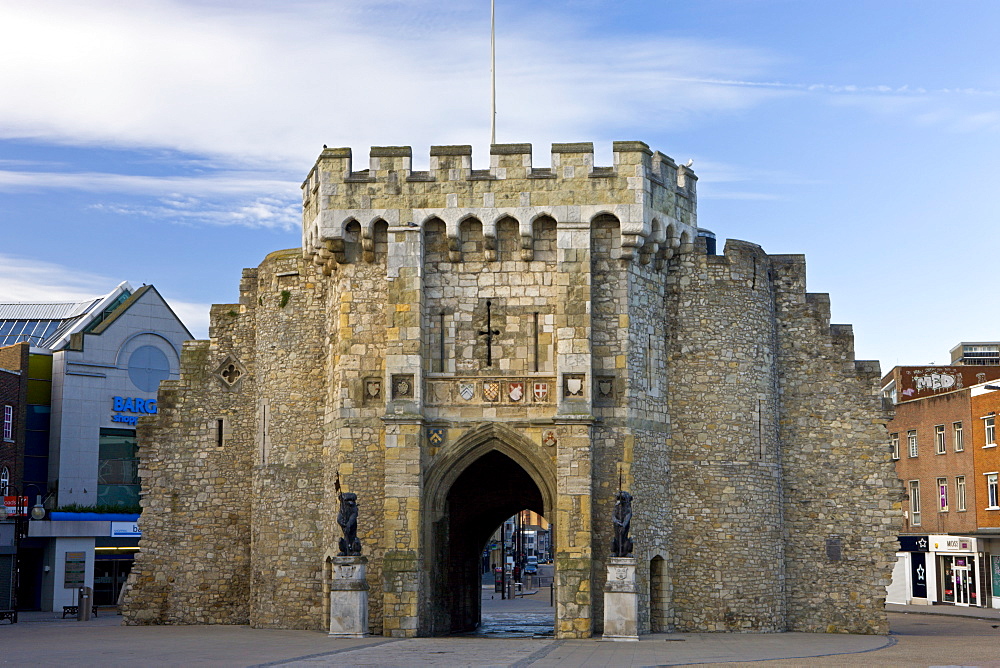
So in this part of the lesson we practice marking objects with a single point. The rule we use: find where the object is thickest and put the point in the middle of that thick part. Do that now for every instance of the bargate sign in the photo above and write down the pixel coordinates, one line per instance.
(135, 405)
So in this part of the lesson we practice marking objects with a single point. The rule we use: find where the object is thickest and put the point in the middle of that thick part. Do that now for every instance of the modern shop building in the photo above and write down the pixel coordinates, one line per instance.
(93, 370)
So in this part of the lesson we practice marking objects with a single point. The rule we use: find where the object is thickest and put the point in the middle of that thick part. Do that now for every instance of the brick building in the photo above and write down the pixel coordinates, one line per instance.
(13, 399)
(949, 544)
(985, 407)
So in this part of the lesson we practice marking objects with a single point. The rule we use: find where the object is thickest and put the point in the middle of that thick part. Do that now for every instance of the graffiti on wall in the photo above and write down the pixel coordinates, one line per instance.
(937, 382)
(919, 381)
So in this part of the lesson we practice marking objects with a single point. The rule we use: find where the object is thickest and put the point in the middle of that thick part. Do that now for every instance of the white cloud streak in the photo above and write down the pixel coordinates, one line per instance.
(227, 184)
(273, 82)
(218, 199)
(26, 280)
(194, 316)
(904, 90)
(260, 212)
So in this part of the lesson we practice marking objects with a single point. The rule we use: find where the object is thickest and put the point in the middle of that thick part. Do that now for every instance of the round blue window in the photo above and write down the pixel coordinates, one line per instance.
(147, 367)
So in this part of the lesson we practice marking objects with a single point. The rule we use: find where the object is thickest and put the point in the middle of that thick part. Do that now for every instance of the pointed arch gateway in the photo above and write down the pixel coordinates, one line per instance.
(477, 482)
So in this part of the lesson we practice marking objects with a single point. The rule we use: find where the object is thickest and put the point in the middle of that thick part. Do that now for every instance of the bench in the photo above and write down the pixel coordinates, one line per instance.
(75, 610)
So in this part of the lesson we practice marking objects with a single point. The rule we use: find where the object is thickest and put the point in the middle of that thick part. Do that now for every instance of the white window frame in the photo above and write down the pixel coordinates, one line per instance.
(992, 491)
(942, 490)
(914, 490)
(894, 444)
(940, 445)
(889, 392)
(4, 481)
(8, 423)
(911, 442)
(958, 436)
(990, 430)
(960, 493)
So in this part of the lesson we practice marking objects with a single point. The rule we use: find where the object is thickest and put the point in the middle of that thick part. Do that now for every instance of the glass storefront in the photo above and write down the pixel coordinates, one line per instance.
(109, 577)
(958, 579)
(118, 469)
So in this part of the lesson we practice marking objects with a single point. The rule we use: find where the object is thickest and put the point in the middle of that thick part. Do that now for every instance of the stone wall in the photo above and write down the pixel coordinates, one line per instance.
(727, 564)
(194, 567)
(842, 500)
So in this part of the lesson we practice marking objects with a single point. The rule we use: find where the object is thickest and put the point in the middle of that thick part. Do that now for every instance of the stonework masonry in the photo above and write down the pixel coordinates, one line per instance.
(459, 344)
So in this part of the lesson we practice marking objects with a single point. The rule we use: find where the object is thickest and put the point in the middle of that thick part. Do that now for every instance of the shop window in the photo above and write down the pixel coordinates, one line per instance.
(957, 436)
(8, 423)
(911, 442)
(915, 503)
(942, 487)
(894, 444)
(960, 492)
(118, 468)
(939, 443)
(958, 579)
(992, 497)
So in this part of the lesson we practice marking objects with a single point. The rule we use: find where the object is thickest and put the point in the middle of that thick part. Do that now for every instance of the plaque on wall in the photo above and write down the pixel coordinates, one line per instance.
(402, 386)
(573, 385)
(371, 389)
(541, 392)
(605, 389)
(491, 390)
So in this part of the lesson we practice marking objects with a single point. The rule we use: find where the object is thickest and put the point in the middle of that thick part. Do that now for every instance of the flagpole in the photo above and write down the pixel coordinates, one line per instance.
(493, 74)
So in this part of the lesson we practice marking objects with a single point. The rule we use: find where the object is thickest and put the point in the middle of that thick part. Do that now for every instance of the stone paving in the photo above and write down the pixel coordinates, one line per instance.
(921, 636)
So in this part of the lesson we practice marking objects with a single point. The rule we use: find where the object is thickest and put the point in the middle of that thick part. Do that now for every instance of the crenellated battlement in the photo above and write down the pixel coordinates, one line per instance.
(653, 198)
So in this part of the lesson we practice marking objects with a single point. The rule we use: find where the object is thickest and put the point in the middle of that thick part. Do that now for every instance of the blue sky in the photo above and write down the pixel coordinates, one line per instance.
(164, 141)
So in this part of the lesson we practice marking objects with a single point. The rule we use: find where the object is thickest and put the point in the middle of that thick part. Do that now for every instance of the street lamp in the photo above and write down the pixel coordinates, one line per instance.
(38, 511)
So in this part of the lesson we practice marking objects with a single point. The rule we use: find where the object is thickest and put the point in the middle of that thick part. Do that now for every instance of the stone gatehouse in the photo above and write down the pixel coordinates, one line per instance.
(459, 344)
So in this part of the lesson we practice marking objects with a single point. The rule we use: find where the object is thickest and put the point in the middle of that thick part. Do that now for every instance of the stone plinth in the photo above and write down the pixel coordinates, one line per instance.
(349, 598)
(621, 601)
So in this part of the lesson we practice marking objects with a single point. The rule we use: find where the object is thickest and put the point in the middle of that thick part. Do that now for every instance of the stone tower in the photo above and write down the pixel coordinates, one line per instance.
(460, 344)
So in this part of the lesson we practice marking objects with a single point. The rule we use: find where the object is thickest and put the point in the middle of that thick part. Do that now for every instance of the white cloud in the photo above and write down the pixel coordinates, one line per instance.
(273, 82)
(269, 83)
(224, 183)
(194, 316)
(738, 195)
(26, 280)
(225, 198)
(259, 212)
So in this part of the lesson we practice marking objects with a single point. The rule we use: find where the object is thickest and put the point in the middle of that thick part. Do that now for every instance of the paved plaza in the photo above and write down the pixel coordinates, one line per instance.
(515, 633)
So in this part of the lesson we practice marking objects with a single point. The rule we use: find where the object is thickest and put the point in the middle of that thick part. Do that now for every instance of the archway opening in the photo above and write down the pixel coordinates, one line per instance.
(489, 491)
(659, 596)
(518, 579)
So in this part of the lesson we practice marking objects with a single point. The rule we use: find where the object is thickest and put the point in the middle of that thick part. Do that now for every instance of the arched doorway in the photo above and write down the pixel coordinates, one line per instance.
(474, 487)
(518, 579)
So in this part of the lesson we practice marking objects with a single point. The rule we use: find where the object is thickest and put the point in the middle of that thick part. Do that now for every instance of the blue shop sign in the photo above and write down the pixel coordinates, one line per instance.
(913, 543)
(135, 405)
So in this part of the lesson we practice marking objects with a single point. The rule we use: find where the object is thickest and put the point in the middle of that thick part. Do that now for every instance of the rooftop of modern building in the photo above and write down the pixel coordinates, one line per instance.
(963, 344)
(48, 325)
